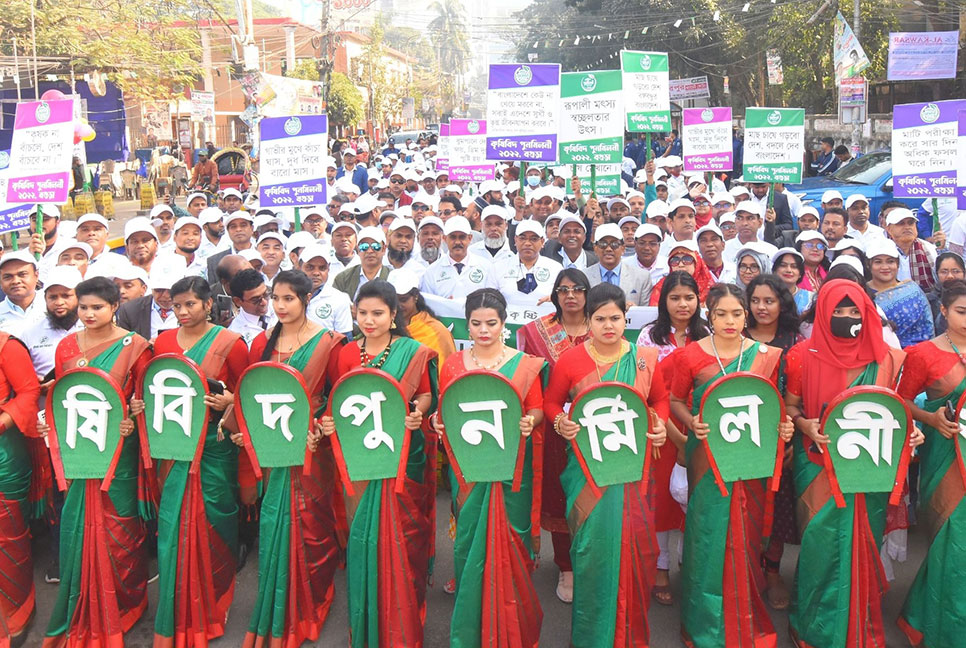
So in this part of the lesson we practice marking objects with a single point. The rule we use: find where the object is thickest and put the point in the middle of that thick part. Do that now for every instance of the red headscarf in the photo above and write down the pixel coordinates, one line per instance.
(702, 276)
(829, 358)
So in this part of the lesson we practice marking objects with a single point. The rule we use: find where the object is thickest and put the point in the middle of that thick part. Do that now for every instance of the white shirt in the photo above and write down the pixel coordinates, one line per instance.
(734, 246)
(956, 235)
(198, 267)
(14, 320)
(580, 263)
(904, 272)
(659, 269)
(871, 233)
(337, 266)
(168, 245)
(669, 244)
(415, 264)
(676, 187)
(158, 323)
(41, 341)
(948, 212)
(507, 275)
(504, 254)
(208, 248)
(794, 203)
(729, 272)
(249, 326)
(106, 264)
(332, 309)
(443, 280)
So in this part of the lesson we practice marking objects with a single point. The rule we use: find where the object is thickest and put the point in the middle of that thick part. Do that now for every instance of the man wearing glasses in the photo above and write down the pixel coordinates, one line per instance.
(397, 183)
(711, 245)
(633, 279)
(314, 222)
(529, 276)
(372, 248)
(647, 246)
(747, 221)
(249, 294)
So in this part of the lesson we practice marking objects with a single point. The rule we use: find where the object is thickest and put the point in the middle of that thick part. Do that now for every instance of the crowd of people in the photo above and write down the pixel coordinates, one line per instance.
(742, 277)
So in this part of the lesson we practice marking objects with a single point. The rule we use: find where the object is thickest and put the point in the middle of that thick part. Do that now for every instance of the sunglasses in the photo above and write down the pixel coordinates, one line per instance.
(681, 259)
(814, 245)
(420, 208)
(447, 212)
(375, 247)
(566, 290)
(613, 245)
(394, 181)
(700, 203)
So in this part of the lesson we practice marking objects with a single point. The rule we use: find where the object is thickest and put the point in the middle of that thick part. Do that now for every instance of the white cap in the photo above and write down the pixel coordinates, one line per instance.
(608, 229)
(648, 228)
(424, 198)
(710, 227)
(640, 176)
(251, 254)
(749, 206)
(263, 219)
(695, 179)
(846, 243)
(659, 182)
(687, 245)
(628, 219)
(680, 202)
(210, 215)
(345, 185)
(513, 185)
(557, 215)
(531, 226)
(672, 161)
(455, 188)
(899, 214)
(237, 215)
(492, 185)
(539, 193)
(786, 250)
(657, 208)
(330, 163)
(20, 255)
(92, 218)
(722, 196)
(195, 194)
(854, 198)
(400, 223)
(616, 200)
(808, 210)
(882, 246)
(71, 243)
(348, 151)
(231, 192)
(849, 260)
(377, 234)
(159, 209)
(318, 251)
(455, 224)
(572, 218)
(272, 235)
(403, 280)
(431, 220)
(127, 272)
(138, 224)
(494, 210)
(65, 275)
(811, 235)
(186, 220)
(298, 240)
(162, 278)
(739, 191)
(830, 195)
(50, 209)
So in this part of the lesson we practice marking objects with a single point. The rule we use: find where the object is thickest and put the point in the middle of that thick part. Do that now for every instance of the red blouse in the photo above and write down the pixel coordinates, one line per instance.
(691, 360)
(349, 360)
(454, 367)
(234, 365)
(925, 364)
(19, 389)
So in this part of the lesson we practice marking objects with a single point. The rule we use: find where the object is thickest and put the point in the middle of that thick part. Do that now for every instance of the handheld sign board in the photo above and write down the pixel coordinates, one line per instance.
(175, 417)
(481, 412)
(868, 451)
(612, 444)
(743, 411)
(370, 440)
(85, 408)
(275, 414)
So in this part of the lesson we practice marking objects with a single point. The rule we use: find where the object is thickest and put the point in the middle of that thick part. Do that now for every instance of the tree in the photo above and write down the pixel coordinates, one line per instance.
(449, 34)
(346, 106)
(385, 85)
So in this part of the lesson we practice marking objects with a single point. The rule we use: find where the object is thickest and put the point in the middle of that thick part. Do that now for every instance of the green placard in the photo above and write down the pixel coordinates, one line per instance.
(743, 412)
(276, 413)
(591, 118)
(175, 415)
(774, 145)
(481, 412)
(612, 442)
(84, 409)
(369, 412)
(868, 431)
(646, 85)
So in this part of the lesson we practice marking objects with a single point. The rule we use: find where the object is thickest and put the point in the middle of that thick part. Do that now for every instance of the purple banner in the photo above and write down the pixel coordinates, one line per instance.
(711, 162)
(49, 187)
(523, 75)
(938, 184)
(293, 193)
(961, 190)
(920, 114)
(467, 127)
(529, 148)
(475, 173)
(31, 114)
(694, 116)
(273, 128)
(18, 218)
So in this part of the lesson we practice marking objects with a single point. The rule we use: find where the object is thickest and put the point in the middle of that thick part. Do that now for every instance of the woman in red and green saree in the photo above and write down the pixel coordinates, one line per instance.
(931, 616)
(497, 529)
(103, 554)
(840, 582)
(614, 548)
(198, 513)
(721, 575)
(298, 551)
(548, 337)
(19, 391)
(391, 534)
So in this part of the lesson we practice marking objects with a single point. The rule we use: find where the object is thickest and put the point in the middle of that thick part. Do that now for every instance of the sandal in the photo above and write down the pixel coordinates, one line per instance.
(779, 598)
(662, 594)
(450, 586)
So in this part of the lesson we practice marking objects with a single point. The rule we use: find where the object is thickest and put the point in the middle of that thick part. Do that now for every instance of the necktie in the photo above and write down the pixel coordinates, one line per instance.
(263, 322)
(528, 284)
(164, 313)
(459, 267)
(611, 277)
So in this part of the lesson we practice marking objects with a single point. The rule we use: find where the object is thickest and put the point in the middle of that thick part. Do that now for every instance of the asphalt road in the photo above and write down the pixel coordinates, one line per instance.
(664, 621)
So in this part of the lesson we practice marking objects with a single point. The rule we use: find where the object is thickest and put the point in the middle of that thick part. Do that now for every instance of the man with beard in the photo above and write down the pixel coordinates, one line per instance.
(401, 241)
(429, 235)
(20, 308)
(647, 245)
(458, 273)
(711, 245)
(213, 227)
(494, 245)
(45, 241)
(343, 238)
(835, 224)
(681, 224)
(491, 193)
(328, 307)
(529, 276)
(372, 249)
(568, 249)
(162, 218)
(187, 240)
(60, 319)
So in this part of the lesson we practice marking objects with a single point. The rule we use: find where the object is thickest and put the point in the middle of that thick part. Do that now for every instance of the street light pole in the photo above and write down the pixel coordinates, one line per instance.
(857, 110)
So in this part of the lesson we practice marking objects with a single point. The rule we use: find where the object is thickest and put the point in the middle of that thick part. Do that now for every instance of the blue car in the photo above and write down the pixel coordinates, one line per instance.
(869, 175)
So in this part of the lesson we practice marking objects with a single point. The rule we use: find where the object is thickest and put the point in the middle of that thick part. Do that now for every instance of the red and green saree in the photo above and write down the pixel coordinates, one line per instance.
(298, 551)
(614, 548)
(103, 554)
(198, 513)
(721, 574)
(496, 532)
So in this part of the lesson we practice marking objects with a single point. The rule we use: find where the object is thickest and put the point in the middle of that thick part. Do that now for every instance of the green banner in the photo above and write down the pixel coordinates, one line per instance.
(276, 413)
(175, 415)
(647, 102)
(774, 145)
(612, 441)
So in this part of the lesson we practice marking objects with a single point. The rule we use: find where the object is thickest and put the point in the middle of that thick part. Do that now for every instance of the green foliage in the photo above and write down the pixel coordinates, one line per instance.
(386, 87)
(305, 69)
(410, 41)
(449, 35)
(346, 106)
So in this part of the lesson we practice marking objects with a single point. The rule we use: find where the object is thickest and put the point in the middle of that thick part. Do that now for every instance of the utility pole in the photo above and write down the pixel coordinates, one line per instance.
(857, 110)
(326, 62)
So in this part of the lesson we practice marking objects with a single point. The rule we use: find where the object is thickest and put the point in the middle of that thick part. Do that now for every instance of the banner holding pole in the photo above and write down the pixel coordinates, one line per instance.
(706, 139)
(774, 145)
(522, 112)
(40, 152)
(925, 149)
(647, 102)
(292, 160)
(591, 118)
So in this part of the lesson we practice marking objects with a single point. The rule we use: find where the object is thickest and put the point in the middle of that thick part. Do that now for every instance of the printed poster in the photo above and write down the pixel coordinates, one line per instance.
(849, 57)
(41, 152)
(914, 56)
(591, 118)
(774, 145)
(925, 148)
(646, 83)
(706, 139)
(466, 146)
(292, 163)
(522, 112)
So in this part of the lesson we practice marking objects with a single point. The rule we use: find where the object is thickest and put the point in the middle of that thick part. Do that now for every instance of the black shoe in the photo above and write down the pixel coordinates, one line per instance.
(52, 575)
(243, 551)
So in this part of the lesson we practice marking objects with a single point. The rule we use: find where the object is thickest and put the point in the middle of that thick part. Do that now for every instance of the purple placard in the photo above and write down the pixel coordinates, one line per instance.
(273, 128)
(57, 112)
(910, 115)
(523, 75)
(292, 157)
(529, 148)
(692, 116)
(47, 187)
(961, 171)
(459, 127)
(937, 184)
(711, 162)
(442, 155)
(924, 158)
(707, 139)
(42, 143)
(473, 173)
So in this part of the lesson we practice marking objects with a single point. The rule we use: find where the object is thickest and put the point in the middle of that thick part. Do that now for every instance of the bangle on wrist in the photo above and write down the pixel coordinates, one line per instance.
(556, 422)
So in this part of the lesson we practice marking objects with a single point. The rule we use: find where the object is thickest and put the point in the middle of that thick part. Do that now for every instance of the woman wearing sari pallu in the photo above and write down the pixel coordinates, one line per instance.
(298, 550)
(721, 572)
(103, 556)
(198, 513)
(932, 616)
(496, 528)
(903, 302)
(390, 534)
(614, 549)
(838, 602)
(19, 391)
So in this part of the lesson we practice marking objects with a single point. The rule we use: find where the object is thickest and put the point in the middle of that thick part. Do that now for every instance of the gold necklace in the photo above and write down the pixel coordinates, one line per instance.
(599, 359)
(572, 338)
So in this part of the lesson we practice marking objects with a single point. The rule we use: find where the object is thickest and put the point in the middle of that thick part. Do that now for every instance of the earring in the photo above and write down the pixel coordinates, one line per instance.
(393, 326)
